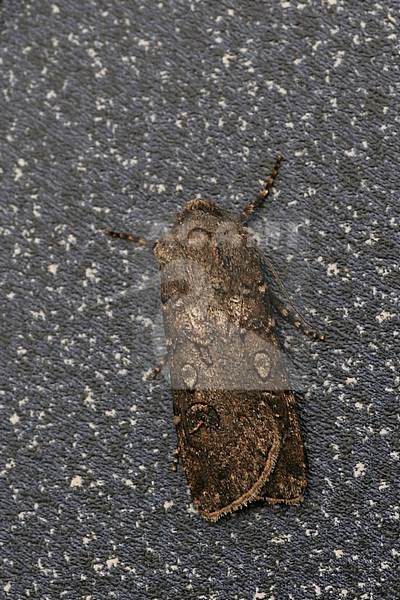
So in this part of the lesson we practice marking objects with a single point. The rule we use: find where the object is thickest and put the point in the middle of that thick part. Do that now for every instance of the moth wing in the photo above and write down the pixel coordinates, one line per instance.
(228, 445)
(288, 480)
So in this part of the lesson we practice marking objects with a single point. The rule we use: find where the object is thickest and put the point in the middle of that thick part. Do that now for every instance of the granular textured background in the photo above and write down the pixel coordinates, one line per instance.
(114, 113)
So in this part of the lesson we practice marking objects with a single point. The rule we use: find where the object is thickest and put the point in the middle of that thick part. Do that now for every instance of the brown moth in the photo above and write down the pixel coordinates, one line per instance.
(237, 428)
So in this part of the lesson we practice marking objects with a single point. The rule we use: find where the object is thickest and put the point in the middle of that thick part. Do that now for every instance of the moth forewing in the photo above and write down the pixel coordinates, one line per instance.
(237, 428)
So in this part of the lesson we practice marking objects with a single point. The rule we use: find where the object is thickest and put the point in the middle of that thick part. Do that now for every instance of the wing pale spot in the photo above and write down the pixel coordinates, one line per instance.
(189, 375)
(262, 364)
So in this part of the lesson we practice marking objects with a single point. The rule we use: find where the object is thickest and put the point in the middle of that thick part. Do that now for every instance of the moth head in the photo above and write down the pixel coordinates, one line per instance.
(202, 225)
(201, 229)
(199, 205)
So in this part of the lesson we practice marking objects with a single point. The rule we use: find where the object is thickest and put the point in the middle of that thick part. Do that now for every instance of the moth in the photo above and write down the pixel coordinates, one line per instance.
(238, 433)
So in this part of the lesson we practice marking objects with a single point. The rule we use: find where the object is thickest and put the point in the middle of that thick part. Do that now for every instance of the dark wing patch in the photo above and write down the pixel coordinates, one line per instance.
(288, 480)
(229, 446)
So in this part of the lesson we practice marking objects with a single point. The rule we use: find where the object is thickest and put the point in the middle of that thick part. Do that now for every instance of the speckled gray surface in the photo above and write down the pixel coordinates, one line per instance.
(115, 113)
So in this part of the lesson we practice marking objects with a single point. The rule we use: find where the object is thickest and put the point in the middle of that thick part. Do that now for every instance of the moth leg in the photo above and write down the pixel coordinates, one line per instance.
(130, 237)
(175, 461)
(153, 374)
(263, 194)
(292, 319)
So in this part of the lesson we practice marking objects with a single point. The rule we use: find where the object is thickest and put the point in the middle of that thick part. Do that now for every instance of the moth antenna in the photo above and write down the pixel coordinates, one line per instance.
(263, 194)
(286, 295)
(137, 239)
(175, 462)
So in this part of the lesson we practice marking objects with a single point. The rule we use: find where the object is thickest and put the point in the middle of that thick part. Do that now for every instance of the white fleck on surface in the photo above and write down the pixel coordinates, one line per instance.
(76, 481)
(112, 562)
(332, 269)
(228, 58)
(359, 469)
(385, 315)
(14, 418)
